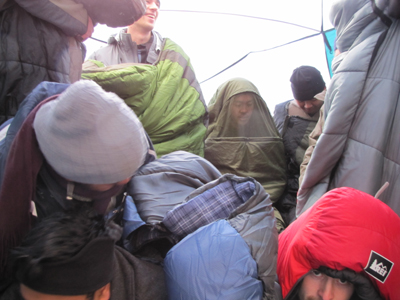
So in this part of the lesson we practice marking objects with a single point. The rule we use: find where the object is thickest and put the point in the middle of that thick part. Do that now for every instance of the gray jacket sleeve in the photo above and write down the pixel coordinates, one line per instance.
(115, 13)
(72, 16)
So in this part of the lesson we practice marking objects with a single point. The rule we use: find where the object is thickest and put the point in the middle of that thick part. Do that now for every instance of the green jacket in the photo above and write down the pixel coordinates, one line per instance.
(165, 96)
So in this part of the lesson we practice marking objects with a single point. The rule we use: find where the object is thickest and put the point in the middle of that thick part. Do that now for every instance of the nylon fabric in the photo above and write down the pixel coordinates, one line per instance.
(353, 150)
(254, 223)
(164, 183)
(40, 61)
(215, 204)
(253, 148)
(167, 103)
(41, 41)
(217, 247)
(340, 231)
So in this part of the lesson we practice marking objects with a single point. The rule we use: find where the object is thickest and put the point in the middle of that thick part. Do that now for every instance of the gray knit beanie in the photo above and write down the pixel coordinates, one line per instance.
(90, 136)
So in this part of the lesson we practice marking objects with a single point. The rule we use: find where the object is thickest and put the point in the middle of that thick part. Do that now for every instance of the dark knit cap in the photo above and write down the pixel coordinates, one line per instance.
(87, 271)
(306, 83)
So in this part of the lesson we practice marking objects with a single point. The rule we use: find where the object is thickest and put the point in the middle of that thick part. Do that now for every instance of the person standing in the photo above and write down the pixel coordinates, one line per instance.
(242, 138)
(138, 43)
(156, 79)
(359, 143)
(295, 120)
(42, 41)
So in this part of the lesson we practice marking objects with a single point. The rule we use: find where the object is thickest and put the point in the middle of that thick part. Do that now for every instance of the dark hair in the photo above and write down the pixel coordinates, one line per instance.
(59, 237)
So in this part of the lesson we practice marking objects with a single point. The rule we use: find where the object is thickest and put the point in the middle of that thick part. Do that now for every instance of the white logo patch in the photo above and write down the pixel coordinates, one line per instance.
(378, 266)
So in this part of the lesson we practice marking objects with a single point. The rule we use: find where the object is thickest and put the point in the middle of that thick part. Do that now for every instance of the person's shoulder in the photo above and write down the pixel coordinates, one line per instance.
(158, 35)
(158, 39)
(98, 52)
(107, 50)
(282, 106)
(102, 54)
(284, 103)
(117, 38)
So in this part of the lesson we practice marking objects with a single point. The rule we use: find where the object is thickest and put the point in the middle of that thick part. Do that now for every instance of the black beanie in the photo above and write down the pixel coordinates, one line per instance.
(306, 83)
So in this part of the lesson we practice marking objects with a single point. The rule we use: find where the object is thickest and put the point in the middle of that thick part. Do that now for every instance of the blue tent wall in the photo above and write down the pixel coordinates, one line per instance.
(330, 36)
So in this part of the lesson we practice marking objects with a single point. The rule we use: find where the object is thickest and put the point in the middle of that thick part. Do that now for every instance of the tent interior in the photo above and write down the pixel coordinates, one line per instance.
(260, 40)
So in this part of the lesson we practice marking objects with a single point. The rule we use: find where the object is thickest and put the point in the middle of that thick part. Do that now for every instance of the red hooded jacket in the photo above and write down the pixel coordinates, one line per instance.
(345, 228)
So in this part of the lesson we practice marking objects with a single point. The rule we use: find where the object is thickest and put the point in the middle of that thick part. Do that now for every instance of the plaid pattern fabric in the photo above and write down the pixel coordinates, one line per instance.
(244, 189)
(214, 204)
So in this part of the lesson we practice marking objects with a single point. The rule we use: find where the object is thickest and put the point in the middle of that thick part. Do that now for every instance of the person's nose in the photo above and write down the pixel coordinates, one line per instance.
(243, 109)
(326, 291)
(308, 104)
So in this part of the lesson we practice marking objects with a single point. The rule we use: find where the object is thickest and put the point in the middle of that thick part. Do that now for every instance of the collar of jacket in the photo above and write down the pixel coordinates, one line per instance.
(125, 41)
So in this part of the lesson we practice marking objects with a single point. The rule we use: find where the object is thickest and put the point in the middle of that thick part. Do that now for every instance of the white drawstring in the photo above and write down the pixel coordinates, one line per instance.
(70, 190)
(382, 189)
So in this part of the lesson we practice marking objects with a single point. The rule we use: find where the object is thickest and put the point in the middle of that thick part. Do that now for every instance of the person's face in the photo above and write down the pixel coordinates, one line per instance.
(242, 108)
(29, 294)
(148, 20)
(318, 286)
(106, 187)
(311, 107)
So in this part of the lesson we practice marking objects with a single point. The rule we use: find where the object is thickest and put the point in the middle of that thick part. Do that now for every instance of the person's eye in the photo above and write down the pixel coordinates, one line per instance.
(342, 281)
(316, 273)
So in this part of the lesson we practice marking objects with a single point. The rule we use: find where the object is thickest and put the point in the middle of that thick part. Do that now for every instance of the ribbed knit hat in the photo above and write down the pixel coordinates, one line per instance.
(306, 83)
(90, 136)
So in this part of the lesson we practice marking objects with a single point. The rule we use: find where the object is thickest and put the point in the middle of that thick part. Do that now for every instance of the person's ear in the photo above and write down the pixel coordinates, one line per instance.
(103, 293)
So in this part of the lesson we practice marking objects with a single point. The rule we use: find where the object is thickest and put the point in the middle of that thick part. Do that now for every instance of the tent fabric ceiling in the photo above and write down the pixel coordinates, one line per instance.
(217, 33)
